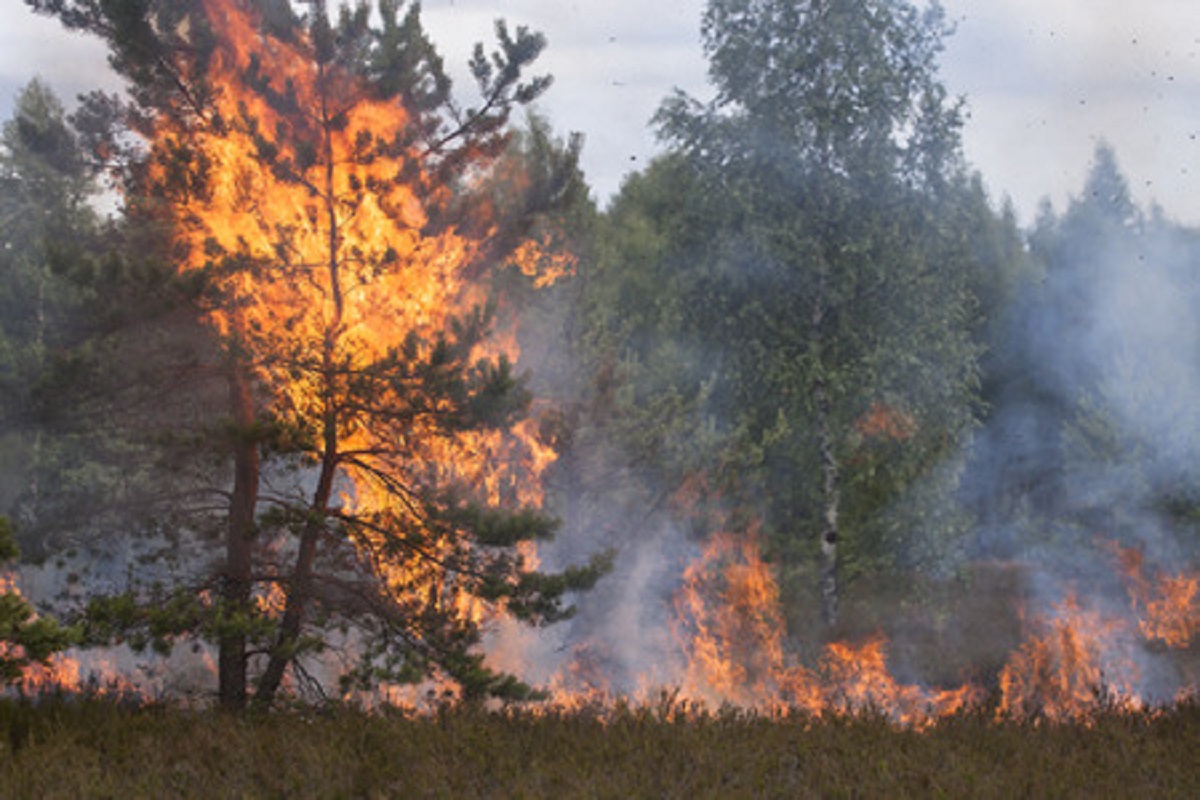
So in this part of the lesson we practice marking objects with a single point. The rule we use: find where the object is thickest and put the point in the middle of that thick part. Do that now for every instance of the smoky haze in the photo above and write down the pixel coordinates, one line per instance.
(1091, 435)
(1088, 433)
(1098, 361)
(1090, 441)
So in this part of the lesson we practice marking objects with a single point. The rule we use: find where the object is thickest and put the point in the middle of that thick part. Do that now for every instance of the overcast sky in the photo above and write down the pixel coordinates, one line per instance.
(1044, 80)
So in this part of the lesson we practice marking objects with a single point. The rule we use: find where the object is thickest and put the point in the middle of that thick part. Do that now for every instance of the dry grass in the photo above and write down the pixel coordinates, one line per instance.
(89, 748)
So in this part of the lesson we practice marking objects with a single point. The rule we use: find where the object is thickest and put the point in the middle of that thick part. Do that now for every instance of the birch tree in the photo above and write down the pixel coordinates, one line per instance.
(835, 296)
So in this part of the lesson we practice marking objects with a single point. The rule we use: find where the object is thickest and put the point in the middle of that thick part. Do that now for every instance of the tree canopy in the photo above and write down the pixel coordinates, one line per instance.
(330, 203)
(268, 319)
(818, 273)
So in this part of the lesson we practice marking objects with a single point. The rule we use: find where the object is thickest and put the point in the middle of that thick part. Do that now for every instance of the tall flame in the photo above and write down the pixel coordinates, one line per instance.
(333, 243)
(312, 210)
(312, 227)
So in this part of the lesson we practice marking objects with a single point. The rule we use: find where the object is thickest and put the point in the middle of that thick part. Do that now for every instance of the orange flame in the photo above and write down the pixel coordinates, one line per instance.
(884, 421)
(338, 247)
(1174, 616)
(1169, 605)
(313, 229)
(1074, 665)
(857, 678)
(70, 671)
(732, 632)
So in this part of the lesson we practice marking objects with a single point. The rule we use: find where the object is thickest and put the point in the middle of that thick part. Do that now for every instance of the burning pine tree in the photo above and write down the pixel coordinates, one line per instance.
(336, 210)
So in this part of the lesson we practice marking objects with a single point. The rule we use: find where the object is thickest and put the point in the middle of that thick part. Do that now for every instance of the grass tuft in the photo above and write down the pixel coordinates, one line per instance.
(63, 747)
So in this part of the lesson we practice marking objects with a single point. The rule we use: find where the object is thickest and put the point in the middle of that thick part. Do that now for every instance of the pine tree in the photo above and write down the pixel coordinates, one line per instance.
(25, 638)
(46, 231)
(1100, 359)
(333, 205)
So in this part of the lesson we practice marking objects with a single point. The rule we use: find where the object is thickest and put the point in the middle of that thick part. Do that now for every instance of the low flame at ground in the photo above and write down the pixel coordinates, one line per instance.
(107, 672)
(1075, 661)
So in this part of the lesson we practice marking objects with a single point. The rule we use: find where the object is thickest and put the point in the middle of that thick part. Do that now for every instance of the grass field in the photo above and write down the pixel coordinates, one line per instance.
(93, 748)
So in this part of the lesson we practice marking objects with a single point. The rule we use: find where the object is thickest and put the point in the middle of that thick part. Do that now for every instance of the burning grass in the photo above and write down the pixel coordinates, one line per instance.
(91, 748)
(1062, 719)
(1065, 664)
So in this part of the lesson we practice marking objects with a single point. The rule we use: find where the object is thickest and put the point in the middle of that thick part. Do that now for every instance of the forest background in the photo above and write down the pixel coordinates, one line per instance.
(805, 326)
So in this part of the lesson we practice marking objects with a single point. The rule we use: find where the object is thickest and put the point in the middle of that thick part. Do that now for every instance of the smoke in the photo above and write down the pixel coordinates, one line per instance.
(620, 641)
(1090, 437)
(1092, 431)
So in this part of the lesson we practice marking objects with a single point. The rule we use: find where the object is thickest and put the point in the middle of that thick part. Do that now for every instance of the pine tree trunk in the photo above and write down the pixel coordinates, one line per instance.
(236, 583)
(298, 589)
(284, 651)
(292, 623)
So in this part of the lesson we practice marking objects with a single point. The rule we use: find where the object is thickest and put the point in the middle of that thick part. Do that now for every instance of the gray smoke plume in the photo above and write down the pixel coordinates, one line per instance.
(1093, 433)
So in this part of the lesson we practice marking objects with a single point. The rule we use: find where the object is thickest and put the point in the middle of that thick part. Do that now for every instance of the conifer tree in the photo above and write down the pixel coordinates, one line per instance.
(334, 205)
(50, 243)
(25, 638)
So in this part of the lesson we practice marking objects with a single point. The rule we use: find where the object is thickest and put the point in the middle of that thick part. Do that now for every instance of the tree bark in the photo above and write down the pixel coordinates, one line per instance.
(830, 510)
(298, 591)
(292, 623)
(284, 651)
(831, 486)
(236, 577)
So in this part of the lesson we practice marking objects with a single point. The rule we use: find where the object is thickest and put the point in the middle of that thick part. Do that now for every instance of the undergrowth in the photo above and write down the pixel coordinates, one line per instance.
(82, 748)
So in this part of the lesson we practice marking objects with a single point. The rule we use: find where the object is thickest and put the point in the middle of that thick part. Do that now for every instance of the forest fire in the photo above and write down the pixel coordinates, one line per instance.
(347, 241)
(730, 625)
(1174, 616)
(1074, 662)
(69, 671)
(1168, 606)
(340, 249)
(731, 628)
(355, 316)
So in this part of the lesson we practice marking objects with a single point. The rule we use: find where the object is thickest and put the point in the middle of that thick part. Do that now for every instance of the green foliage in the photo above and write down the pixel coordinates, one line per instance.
(391, 573)
(44, 224)
(809, 257)
(25, 638)
(158, 618)
(830, 271)
(86, 330)
(647, 390)
(1087, 369)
